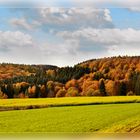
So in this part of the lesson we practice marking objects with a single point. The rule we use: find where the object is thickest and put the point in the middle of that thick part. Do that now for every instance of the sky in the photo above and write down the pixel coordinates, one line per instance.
(65, 33)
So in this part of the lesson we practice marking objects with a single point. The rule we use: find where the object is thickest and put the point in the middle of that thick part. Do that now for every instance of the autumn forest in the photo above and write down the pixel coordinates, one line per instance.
(114, 76)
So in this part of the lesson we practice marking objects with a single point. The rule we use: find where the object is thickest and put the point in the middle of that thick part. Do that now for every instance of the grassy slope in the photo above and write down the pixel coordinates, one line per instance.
(68, 101)
(130, 125)
(67, 119)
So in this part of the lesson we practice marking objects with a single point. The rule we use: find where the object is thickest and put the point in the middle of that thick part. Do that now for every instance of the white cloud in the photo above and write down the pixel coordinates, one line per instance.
(107, 15)
(104, 36)
(11, 39)
(57, 19)
(72, 3)
(18, 47)
(106, 3)
(76, 46)
(81, 34)
(60, 54)
(22, 23)
(135, 9)
(73, 18)
(91, 43)
(105, 42)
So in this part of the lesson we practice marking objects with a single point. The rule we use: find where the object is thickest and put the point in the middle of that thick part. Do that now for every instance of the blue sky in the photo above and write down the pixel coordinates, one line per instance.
(65, 33)
(124, 18)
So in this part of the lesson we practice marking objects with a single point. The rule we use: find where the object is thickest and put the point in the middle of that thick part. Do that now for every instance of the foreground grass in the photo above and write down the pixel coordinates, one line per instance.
(130, 125)
(77, 119)
(67, 101)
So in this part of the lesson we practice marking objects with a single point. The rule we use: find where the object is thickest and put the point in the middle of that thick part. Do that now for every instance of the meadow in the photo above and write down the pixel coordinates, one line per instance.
(73, 119)
(29, 103)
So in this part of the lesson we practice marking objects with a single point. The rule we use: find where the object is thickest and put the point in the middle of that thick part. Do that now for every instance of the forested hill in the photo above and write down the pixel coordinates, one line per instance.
(9, 70)
(98, 77)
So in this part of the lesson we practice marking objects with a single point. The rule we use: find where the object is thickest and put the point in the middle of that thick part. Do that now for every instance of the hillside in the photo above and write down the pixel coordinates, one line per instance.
(98, 77)
(8, 70)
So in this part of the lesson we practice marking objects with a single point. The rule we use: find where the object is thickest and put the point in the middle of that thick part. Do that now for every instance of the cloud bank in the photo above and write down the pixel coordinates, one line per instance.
(65, 36)
(57, 19)
(18, 47)
(70, 3)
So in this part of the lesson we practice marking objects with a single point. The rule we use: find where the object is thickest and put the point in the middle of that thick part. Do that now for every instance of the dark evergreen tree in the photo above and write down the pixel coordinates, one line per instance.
(137, 85)
(102, 88)
(10, 91)
(123, 89)
(98, 75)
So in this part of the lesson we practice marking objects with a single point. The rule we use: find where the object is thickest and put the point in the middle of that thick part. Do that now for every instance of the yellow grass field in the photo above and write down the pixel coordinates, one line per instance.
(68, 101)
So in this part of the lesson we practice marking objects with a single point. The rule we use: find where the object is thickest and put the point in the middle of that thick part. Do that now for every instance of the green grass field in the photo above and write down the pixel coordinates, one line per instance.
(73, 119)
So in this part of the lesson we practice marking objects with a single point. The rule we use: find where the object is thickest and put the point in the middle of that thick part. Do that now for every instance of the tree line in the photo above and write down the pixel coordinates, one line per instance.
(115, 76)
